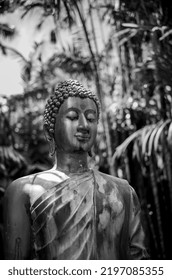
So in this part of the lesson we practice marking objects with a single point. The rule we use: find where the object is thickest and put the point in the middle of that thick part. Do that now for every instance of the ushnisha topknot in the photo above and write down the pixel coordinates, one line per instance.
(69, 88)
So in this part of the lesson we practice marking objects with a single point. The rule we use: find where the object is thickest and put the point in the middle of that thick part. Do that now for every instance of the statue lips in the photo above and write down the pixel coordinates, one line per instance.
(83, 137)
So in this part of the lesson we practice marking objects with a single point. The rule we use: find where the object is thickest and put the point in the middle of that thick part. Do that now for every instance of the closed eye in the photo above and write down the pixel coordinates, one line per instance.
(72, 115)
(91, 117)
(90, 120)
(72, 118)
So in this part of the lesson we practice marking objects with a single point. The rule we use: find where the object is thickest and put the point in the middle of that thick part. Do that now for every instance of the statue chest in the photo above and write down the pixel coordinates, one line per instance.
(77, 221)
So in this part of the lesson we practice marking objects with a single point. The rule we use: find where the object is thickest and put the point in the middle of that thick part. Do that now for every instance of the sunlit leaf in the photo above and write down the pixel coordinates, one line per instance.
(130, 25)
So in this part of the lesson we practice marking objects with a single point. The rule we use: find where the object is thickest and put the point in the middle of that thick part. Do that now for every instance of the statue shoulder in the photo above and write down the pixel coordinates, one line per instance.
(23, 180)
(30, 187)
(18, 188)
(113, 179)
(121, 184)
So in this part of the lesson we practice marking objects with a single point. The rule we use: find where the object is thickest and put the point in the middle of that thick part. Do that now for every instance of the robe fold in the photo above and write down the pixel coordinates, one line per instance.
(88, 216)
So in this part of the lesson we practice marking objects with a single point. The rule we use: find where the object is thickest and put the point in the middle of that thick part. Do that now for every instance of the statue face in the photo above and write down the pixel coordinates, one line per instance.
(76, 125)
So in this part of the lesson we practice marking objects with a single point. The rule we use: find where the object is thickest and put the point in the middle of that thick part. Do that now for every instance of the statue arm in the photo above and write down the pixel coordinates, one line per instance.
(136, 232)
(17, 228)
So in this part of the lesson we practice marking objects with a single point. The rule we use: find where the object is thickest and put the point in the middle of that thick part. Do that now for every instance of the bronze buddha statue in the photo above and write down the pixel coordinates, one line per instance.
(72, 211)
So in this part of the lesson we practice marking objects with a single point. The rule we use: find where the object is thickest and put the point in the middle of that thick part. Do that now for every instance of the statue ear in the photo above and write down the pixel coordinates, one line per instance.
(50, 140)
(47, 134)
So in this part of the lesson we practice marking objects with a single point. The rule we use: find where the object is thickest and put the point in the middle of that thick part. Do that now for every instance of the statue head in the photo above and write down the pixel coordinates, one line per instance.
(69, 103)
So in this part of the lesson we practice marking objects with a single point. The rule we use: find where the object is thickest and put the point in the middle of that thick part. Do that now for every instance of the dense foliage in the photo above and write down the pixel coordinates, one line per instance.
(123, 51)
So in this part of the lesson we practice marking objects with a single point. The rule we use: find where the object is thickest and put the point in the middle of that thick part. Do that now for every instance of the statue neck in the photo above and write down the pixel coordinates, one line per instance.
(71, 163)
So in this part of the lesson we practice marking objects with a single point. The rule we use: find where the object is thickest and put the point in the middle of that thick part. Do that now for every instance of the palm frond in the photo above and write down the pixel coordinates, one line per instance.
(28, 8)
(14, 52)
(154, 185)
(147, 134)
(11, 161)
(3, 49)
(160, 130)
(120, 150)
(71, 61)
(152, 138)
(69, 18)
(169, 137)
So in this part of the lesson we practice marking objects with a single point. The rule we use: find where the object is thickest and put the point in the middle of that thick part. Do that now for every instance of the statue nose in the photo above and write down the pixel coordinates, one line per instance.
(83, 124)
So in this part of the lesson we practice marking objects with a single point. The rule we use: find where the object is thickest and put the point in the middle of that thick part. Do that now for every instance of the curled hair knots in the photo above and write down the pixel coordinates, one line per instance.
(69, 88)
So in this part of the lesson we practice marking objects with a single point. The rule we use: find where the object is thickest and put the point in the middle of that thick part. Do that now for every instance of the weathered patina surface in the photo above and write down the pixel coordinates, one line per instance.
(88, 216)
(70, 211)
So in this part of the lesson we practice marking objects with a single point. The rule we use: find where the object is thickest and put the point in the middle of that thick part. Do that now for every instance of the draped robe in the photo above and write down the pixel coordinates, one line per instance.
(88, 216)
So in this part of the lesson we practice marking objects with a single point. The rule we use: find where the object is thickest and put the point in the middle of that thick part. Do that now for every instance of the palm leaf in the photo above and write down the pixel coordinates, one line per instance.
(3, 49)
(165, 35)
(130, 25)
(31, 7)
(169, 136)
(136, 149)
(127, 38)
(15, 52)
(152, 137)
(163, 125)
(68, 9)
(122, 32)
(12, 161)
(147, 133)
(167, 163)
(157, 204)
(120, 150)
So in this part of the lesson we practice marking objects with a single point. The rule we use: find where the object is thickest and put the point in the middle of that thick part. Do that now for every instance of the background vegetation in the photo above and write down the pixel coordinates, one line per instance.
(123, 51)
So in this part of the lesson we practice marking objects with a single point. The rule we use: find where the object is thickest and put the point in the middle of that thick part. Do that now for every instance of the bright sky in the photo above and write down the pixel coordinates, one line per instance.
(10, 80)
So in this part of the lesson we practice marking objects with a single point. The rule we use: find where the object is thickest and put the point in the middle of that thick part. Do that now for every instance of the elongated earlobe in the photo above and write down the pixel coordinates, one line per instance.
(52, 146)
(51, 141)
